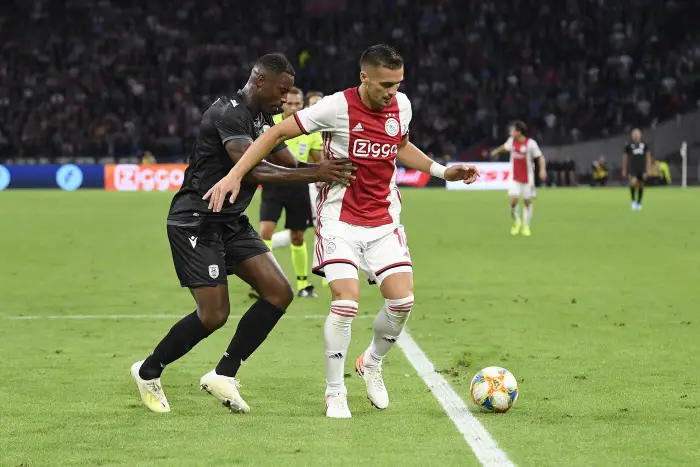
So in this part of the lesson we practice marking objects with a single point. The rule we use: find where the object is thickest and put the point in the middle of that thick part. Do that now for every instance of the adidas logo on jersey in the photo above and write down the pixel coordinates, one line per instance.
(358, 127)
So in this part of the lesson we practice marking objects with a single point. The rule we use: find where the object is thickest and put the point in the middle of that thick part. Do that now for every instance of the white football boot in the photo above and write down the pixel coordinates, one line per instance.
(337, 406)
(225, 389)
(151, 391)
(376, 391)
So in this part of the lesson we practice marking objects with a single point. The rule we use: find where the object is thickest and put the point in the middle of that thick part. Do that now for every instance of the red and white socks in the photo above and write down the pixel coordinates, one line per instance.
(388, 325)
(337, 331)
(336, 335)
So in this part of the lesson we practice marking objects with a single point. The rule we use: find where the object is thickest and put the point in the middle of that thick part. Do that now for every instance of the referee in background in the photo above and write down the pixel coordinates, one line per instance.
(294, 199)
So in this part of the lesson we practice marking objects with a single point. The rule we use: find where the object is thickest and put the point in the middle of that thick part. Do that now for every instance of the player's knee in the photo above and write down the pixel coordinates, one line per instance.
(214, 312)
(398, 285)
(297, 237)
(345, 295)
(399, 310)
(280, 295)
(267, 229)
(345, 289)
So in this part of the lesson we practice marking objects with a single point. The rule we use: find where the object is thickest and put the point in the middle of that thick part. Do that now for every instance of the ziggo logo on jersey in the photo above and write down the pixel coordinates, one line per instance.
(365, 148)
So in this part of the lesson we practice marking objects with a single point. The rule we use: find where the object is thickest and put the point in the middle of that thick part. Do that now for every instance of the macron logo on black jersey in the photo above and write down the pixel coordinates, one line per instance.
(234, 103)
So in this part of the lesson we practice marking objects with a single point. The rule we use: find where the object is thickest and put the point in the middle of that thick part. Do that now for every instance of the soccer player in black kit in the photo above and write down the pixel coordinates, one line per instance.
(636, 162)
(207, 246)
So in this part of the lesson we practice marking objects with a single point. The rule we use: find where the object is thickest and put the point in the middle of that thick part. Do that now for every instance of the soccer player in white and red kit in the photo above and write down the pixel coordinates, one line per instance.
(358, 225)
(523, 153)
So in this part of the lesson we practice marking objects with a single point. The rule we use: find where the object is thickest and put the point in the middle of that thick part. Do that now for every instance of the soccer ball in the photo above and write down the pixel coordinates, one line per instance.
(495, 389)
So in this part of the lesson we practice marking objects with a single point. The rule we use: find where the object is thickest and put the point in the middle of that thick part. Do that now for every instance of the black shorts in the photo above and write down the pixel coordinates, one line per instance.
(205, 254)
(295, 201)
(640, 175)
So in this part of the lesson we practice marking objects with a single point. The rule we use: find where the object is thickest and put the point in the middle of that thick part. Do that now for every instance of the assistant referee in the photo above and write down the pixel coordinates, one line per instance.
(293, 199)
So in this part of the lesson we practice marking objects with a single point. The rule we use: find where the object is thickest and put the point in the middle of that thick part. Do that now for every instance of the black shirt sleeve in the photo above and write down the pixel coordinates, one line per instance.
(233, 122)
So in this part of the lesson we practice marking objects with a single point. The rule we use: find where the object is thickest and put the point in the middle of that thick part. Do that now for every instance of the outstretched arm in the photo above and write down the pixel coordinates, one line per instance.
(498, 150)
(330, 171)
(414, 158)
(266, 172)
(257, 151)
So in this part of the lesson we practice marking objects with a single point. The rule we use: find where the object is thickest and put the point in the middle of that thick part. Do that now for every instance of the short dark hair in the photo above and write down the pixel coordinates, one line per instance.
(297, 91)
(275, 64)
(381, 55)
(520, 126)
(309, 95)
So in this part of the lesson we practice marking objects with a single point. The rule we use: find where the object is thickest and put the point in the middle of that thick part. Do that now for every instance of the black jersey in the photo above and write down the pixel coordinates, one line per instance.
(228, 118)
(636, 156)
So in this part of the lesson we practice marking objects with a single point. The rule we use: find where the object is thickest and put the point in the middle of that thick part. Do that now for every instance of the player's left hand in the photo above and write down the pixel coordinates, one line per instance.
(467, 173)
(543, 176)
(217, 194)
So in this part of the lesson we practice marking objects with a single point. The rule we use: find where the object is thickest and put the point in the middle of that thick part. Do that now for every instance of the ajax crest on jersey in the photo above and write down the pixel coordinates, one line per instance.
(213, 271)
(494, 389)
(330, 247)
(392, 127)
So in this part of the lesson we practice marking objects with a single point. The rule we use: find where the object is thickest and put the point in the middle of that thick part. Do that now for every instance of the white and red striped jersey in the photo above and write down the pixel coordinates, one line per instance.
(522, 159)
(370, 139)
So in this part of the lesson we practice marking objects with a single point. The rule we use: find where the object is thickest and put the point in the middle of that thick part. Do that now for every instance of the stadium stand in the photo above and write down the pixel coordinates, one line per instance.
(110, 80)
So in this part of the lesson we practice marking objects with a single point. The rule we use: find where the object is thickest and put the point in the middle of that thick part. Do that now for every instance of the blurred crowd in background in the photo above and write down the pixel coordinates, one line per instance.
(116, 79)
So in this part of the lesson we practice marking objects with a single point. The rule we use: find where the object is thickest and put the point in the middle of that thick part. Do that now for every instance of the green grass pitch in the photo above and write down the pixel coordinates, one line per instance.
(596, 314)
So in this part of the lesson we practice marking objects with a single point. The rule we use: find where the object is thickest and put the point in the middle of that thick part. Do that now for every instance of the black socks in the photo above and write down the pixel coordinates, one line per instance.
(180, 339)
(252, 331)
(640, 193)
(632, 193)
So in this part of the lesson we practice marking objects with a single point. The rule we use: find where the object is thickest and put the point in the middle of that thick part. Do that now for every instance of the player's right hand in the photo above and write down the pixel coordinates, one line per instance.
(217, 194)
(335, 171)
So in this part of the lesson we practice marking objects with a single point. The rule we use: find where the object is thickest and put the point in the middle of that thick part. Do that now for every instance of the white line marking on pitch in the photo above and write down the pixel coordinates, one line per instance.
(481, 442)
(38, 317)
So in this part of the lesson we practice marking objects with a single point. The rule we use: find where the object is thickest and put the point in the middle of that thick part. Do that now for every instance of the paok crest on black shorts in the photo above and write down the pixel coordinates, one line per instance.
(294, 200)
(207, 246)
(205, 254)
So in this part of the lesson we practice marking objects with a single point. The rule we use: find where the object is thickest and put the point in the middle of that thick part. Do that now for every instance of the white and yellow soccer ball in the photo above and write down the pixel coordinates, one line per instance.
(495, 389)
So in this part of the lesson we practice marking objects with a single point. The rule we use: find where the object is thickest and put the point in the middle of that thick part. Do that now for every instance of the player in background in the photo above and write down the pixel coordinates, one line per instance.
(294, 199)
(359, 226)
(636, 163)
(524, 152)
(284, 237)
(207, 246)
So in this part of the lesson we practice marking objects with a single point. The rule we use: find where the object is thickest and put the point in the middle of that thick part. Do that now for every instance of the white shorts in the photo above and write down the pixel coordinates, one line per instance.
(521, 190)
(343, 249)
